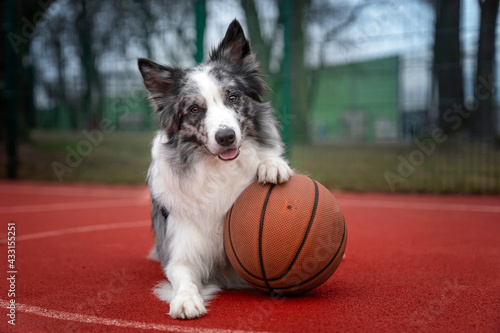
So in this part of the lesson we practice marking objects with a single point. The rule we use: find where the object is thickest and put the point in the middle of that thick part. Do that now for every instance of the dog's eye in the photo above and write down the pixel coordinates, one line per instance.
(194, 109)
(232, 98)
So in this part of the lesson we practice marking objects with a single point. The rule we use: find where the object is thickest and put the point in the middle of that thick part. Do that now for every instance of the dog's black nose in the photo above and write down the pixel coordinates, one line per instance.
(225, 137)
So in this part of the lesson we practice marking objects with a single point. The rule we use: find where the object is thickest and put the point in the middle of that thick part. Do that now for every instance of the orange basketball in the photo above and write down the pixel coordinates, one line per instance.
(287, 238)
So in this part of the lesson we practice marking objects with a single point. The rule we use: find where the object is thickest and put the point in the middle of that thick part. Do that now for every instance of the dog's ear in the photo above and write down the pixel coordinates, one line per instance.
(157, 78)
(234, 47)
(161, 81)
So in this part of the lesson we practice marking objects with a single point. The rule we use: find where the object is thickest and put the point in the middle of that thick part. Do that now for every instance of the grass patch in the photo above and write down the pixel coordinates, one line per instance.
(453, 167)
(124, 157)
(121, 157)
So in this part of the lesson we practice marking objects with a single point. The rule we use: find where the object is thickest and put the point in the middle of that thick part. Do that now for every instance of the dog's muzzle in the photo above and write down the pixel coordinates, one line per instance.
(226, 137)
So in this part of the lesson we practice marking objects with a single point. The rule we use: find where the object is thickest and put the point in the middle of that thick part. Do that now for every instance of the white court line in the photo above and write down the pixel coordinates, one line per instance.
(86, 319)
(76, 230)
(73, 205)
(418, 206)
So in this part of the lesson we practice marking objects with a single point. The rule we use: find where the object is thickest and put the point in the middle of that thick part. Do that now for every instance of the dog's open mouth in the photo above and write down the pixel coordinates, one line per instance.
(229, 154)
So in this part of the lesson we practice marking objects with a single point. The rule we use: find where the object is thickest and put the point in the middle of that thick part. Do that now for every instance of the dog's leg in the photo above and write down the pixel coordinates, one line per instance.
(186, 268)
(187, 302)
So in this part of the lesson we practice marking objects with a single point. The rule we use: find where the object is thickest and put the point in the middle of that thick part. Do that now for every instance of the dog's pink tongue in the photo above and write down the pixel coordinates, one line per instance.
(229, 154)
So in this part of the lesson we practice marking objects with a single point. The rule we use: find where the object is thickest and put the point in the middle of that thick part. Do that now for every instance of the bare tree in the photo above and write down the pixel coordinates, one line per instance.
(260, 45)
(58, 88)
(93, 91)
(483, 120)
(302, 13)
(18, 20)
(447, 65)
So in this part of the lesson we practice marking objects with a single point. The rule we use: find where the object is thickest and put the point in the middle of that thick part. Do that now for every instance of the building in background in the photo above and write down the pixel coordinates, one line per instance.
(357, 102)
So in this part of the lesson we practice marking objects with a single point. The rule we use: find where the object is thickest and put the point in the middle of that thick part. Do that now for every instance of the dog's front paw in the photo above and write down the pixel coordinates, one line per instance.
(187, 305)
(273, 170)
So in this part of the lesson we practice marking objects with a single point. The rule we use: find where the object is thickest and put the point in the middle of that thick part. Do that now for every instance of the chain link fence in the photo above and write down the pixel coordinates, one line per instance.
(364, 109)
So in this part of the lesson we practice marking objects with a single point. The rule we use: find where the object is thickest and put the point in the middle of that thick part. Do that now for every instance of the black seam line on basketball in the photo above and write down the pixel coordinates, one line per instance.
(306, 234)
(229, 233)
(311, 278)
(261, 229)
(234, 251)
(232, 246)
(258, 285)
(328, 265)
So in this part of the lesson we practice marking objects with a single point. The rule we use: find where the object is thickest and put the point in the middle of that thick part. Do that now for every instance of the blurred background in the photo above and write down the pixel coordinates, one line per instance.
(373, 95)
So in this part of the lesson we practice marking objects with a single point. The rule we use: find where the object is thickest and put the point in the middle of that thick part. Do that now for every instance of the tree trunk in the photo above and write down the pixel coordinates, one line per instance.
(263, 50)
(93, 90)
(447, 65)
(296, 73)
(62, 103)
(18, 20)
(258, 45)
(483, 119)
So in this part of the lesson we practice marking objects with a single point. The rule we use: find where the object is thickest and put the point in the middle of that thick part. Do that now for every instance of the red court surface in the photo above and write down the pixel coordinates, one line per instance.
(414, 264)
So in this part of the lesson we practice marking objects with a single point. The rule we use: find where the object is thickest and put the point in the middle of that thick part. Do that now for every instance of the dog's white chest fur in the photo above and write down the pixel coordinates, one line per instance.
(209, 188)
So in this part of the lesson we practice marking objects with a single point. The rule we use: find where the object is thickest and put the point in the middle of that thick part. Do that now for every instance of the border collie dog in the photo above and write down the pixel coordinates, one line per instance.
(216, 137)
